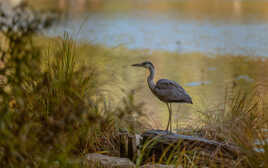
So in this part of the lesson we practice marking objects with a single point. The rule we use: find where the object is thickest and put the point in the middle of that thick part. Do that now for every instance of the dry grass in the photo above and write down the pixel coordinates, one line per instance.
(240, 121)
(53, 113)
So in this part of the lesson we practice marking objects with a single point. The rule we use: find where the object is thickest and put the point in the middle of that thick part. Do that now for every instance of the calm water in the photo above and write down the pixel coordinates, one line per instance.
(234, 29)
(209, 27)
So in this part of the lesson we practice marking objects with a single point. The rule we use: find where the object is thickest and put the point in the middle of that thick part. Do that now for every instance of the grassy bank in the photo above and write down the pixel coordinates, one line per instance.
(220, 74)
(52, 110)
(240, 121)
(56, 103)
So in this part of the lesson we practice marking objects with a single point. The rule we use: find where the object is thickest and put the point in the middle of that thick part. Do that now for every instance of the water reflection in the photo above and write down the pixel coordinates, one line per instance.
(212, 68)
(158, 27)
(244, 77)
(236, 10)
(178, 37)
(206, 79)
(198, 83)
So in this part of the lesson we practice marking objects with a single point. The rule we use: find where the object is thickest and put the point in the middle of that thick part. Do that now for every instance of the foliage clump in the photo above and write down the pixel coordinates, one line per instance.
(52, 112)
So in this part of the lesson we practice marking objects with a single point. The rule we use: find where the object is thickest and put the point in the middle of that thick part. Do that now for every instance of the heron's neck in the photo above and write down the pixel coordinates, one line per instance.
(150, 78)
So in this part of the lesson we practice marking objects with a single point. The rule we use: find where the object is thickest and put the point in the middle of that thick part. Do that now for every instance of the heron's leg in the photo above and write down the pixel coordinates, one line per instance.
(168, 117)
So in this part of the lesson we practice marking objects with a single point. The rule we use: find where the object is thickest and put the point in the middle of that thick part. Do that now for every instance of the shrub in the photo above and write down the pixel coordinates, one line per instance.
(53, 113)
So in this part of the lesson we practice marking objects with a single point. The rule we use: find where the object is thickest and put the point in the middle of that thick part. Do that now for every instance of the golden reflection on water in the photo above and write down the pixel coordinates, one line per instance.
(205, 78)
(242, 10)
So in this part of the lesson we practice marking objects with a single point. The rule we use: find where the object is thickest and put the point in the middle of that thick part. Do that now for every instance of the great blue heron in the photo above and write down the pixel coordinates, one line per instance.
(166, 90)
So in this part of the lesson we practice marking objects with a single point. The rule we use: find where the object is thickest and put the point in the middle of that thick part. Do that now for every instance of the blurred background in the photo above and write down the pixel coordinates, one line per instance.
(67, 86)
(204, 45)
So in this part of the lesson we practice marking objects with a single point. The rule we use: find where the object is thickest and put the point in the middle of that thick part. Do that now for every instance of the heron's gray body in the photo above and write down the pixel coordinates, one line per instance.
(166, 90)
(170, 91)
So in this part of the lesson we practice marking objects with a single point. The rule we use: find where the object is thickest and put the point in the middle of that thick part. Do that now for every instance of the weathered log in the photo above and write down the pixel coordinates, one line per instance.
(206, 150)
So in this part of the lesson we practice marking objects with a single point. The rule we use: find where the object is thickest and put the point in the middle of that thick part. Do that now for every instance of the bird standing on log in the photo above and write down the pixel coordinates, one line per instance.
(166, 90)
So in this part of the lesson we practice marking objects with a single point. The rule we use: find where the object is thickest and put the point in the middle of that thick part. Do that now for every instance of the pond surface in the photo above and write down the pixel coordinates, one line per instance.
(179, 37)
(233, 27)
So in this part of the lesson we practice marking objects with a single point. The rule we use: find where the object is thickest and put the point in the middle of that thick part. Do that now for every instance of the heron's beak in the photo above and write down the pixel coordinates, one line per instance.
(137, 65)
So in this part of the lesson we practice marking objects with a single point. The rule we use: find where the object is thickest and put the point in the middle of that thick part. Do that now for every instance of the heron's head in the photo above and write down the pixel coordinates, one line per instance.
(146, 64)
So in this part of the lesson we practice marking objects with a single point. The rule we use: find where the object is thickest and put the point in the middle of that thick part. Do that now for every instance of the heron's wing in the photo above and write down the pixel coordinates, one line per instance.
(171, 90)
(169, 84)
